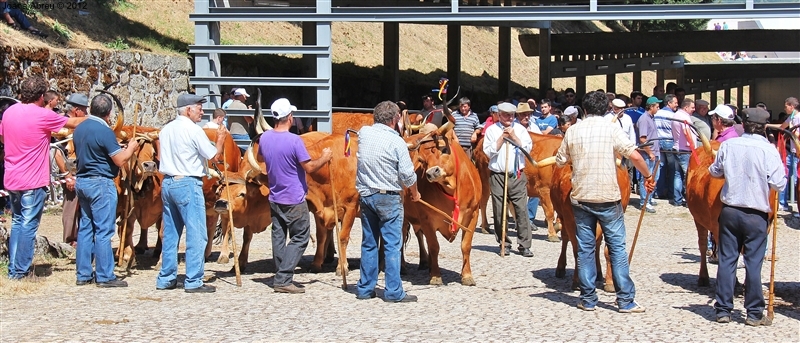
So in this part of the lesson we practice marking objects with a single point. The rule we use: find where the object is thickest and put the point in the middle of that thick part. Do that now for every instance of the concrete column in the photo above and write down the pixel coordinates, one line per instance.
(727, 94)
(544, 61)
(660, 77)
(309, 62)
(580, 82)
(504, 63)
(324, 68)
(203, 35)
(611, 83)
(752, 101)
(391, 62)
(713, 101)
(453, 57)
(637, 82)
(740, 96)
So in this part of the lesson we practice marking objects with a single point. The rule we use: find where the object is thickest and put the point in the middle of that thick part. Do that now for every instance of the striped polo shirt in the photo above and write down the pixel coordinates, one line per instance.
(465, 126)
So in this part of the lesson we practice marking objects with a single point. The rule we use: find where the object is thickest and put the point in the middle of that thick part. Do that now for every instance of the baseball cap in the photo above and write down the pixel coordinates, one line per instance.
(78, 100)
(756, 115)
(493, 109)
(618, 103)
(571, 111)
(190, 99)
(241, 91)
(507, 107)
(282, 108)
(652, 100)
(723, 112)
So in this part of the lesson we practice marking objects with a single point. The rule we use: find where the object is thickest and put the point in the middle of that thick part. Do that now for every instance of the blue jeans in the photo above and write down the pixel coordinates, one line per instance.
(642, 191)
(19, 17)
(791, 163)
(679, 176)
(27, 208)
(97, 197)
(381, 216)
(611, 219)
(663, 182)
(533, 207)
(183, 206)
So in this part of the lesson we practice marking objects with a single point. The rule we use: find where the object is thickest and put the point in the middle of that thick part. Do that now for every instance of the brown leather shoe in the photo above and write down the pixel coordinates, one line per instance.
(290, 288)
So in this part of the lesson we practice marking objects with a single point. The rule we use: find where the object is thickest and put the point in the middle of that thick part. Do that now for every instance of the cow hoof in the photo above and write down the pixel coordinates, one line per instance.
(553, 239)
(557, 227)
(467, 281)
(328, 260)
(436, 281)
(223, 259)
(703, 282)
(339, 270)
(315, 269)
(561, 273)
(609, 288)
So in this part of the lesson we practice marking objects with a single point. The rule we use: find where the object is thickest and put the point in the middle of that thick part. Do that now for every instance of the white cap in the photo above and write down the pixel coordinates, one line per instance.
(618, 103)
(241, 91)
(723, 112)
(571, 111)
(507, 107)
(282, 108)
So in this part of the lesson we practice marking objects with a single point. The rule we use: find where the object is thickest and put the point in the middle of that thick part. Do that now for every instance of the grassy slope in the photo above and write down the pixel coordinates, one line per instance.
(162, 26)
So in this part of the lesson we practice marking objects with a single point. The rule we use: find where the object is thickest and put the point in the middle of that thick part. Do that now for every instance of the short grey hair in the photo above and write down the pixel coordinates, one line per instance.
(101, 106)
(182, 110)
(385, 112)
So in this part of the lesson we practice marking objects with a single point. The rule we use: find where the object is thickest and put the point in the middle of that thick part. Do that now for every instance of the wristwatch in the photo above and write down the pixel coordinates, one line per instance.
(649, 177)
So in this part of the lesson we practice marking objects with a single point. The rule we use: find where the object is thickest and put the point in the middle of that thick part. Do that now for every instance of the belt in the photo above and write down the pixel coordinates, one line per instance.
(383, 191)
(598, 204)
(178, 177)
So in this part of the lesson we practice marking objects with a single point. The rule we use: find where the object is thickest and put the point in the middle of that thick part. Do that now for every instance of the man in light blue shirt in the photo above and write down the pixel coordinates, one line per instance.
(752, 168)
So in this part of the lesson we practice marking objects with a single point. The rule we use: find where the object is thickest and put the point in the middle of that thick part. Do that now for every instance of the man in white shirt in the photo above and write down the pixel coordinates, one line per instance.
(623, 119)
(184, 152)
(216, 119)
(497, 149)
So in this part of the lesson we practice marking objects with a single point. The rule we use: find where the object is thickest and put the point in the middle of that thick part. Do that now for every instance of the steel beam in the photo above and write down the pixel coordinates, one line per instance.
(324, 67)
(260, 81)
(249, 113)
(259, 49)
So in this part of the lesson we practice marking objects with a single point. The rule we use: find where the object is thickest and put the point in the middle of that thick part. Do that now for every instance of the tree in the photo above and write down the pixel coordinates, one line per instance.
(666, 25)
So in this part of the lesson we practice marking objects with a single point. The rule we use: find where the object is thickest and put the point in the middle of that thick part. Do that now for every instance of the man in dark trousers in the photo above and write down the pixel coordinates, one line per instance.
(287, 162)
(751, 167)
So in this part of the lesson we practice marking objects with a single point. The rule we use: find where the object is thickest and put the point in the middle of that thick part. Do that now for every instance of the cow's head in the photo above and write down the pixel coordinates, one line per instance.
(433, 151)
(239, 191)
(146, 158)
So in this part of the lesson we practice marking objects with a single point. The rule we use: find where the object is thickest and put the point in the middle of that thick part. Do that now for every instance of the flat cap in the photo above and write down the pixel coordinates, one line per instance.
(190, 99)
(756, 115)
(77, 99)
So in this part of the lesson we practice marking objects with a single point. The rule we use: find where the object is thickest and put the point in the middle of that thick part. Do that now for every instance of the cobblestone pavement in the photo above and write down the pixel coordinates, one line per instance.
(516, 298)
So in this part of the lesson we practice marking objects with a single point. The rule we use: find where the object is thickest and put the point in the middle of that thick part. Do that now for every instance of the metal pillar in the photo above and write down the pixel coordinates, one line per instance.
(454, 56)
(504, 63)
(309, 62)
(752, 101)
(544, 61)
(740, 96)
(391, 62)
(713, 101)
(727, 94)
(580, 84)
(637, 82)
(203, 34)
(611, 83)
(324, 68)
(660, 77)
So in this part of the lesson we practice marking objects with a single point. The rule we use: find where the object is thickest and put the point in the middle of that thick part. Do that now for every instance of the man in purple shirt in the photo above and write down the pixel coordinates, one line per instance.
(722, 119)
(287, 163)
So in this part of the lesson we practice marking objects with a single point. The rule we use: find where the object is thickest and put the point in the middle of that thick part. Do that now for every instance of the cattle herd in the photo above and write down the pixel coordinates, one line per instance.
(452, 186)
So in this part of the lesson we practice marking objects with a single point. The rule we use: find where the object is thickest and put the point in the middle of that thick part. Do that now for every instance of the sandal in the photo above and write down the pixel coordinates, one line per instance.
(38, 33)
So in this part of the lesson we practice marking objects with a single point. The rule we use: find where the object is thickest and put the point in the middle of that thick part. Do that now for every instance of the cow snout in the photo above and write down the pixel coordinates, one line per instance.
(434, 174)
(149, 167)
(221, 206)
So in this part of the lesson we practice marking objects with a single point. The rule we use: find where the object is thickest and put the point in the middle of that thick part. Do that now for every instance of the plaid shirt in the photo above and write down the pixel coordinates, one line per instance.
(383, 161)
(590, 145)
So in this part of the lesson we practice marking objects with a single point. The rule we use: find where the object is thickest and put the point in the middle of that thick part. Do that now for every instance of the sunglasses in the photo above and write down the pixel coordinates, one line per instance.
(570, 95)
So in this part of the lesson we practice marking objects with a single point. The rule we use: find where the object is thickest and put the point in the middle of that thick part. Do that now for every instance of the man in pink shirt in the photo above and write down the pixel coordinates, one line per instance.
(25, 130)
(682, 146)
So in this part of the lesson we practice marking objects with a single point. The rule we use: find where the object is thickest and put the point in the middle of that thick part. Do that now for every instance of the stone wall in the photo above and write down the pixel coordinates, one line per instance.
(152, 81)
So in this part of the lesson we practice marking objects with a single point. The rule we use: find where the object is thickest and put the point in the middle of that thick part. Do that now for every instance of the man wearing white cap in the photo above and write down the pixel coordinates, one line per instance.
(573, 113)
(184, 151)
(623, 119)
(722, 119)
(287, 163)
(239, 124)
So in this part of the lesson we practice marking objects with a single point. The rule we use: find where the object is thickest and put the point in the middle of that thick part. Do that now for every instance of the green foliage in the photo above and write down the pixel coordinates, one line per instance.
(666, 25)
(26, 7)
(118, 44)
(62, 30)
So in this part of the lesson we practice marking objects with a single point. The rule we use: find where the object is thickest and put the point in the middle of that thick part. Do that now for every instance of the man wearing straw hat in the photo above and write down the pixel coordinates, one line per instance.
(506, 163)
(591, 146)
(751, 167)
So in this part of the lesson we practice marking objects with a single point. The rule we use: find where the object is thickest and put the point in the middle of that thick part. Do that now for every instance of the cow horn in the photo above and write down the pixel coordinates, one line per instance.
(213, 173)
(118, 124)
(413, 146)
(251, 159)
(153, 135)
(261, 123)
(416, 127)
(549, 161)
(62, 133)
(706, 144)
(442, 130)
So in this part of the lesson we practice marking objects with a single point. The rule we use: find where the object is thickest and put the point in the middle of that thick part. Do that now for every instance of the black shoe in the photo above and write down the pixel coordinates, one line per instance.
(84, 282)
(525, 252)
(112, 283)
(371, 295)
(201, 289)
(171, 286)
(408, 299)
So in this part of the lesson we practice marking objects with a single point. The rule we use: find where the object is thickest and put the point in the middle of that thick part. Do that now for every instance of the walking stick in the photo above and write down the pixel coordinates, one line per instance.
(447, 216)
(128, 189)
(505, 209)
(771, 306)
(336, 228)
(230, 226)
(641, 214)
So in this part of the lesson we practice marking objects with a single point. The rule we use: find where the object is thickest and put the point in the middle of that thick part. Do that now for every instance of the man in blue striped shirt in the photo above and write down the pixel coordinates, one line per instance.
(384, 169)
(751, 167)
(467, 126)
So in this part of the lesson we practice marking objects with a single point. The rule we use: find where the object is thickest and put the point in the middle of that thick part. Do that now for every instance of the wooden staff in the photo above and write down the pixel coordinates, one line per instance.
(641, 213)
(230, 225)
(127, 186)
(505, 210)
(336, 228)
(771, 305)
(447, 216)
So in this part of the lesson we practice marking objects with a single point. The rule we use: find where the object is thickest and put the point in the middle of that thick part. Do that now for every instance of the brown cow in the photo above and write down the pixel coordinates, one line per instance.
(539, 179)
(341, 121)
(559, 194)
(233, 160)
(445, 177)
